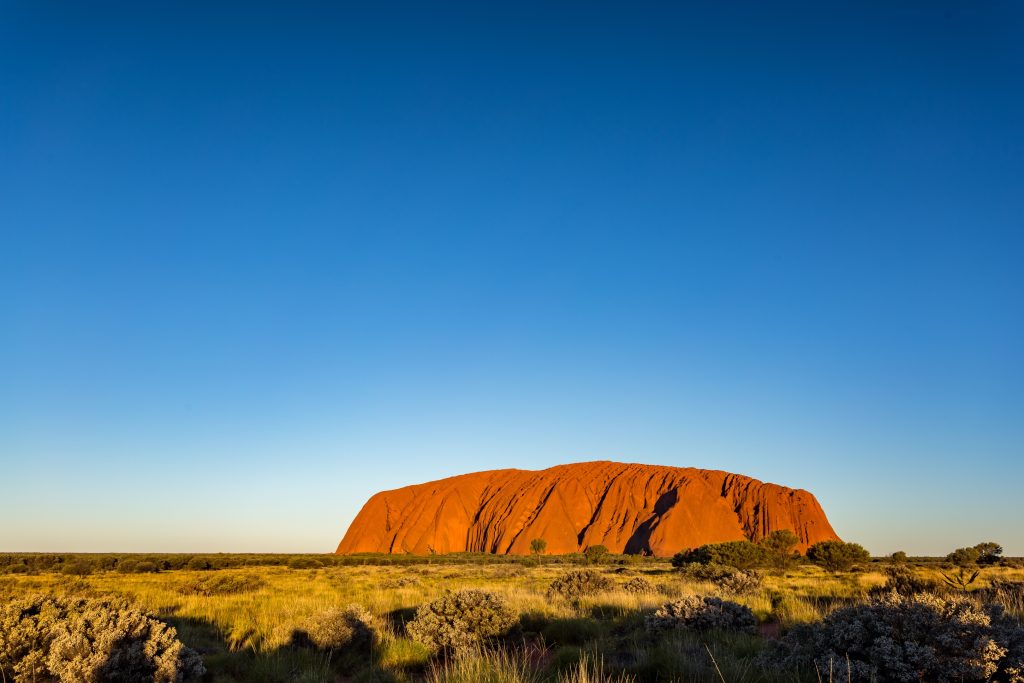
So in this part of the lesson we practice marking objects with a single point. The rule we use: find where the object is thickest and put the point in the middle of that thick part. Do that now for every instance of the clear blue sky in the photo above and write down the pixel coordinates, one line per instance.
(258, 263)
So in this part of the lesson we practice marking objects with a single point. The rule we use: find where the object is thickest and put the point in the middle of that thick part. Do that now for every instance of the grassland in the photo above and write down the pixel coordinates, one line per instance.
(246, 632)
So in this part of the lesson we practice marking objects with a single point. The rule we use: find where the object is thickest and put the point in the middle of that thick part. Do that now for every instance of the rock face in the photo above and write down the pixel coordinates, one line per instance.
(627, 508)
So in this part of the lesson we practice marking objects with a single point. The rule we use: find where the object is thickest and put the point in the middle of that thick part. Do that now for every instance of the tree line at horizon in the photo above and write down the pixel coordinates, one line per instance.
(777, 550)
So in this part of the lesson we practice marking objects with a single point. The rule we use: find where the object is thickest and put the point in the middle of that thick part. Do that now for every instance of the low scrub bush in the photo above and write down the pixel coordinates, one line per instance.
(305, 563)
(575, 584)
(132, 566)
(726, 579)
(352, 628)
(462, 620)
(638, 585)
(702, 614)
(223, 584)
(922, 637)
(46, 638)
(77, 568)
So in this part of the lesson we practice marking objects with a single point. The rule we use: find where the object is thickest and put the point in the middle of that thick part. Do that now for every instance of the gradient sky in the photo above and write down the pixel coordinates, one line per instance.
(260, 262)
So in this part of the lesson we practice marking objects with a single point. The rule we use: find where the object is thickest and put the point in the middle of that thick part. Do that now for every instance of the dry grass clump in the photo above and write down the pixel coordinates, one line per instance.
(576, 584)
(702, 614)
(44, 638)
(223, 584)
(400, 582)
(462, 620)
(922, 637)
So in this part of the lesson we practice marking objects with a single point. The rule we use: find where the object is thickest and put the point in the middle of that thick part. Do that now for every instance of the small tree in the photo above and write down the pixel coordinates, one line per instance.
(988, 552)
(595, 554)
(538, 546)
(781, 546)
(898, 557)
(837, 556)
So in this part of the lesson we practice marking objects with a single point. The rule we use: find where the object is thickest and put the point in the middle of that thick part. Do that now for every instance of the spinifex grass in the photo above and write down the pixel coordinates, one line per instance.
(248, 634)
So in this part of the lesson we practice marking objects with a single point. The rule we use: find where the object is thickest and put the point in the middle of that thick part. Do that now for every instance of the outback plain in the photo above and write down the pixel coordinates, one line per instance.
(724, 612)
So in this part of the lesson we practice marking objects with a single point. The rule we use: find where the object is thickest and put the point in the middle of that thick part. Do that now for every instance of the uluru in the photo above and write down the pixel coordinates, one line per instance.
(628, 508)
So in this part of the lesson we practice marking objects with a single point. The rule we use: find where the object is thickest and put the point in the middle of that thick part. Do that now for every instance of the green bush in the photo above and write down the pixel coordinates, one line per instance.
(133, 566)
(575, 584)
(702, 614)
(462, 620)
(198, 564)
(48, 638)
(898, 557)
(781, 546)
(304, 563)
(964, 557)
(595, 554)
(739, 554)
(899, 638)
(77, 568)
(837, 556)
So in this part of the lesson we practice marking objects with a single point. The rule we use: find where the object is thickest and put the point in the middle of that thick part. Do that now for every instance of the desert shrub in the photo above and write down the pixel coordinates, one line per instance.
(702, 614)
(575, 584)
(898, 557)
(335, 629)
(132, 566)
(90, 639)
(400, 582)
(595, 554)
(781, 546)
(739, 554)
(77, 568)
(538, 546)
(198, 564)
(461, 620)
(898, 638)
(638, 585)
(837, 556)
(726, 579)
(904, 581)
(223, 584)
(740, 582)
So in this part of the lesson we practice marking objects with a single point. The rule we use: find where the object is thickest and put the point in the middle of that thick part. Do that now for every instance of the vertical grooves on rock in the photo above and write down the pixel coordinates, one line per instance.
(637, 507)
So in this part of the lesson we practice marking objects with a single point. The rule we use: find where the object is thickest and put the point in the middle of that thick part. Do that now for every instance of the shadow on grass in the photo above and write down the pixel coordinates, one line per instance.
(299, 661)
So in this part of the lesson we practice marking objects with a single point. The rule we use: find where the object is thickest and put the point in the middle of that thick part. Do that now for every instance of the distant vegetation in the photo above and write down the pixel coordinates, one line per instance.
(734, 612)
